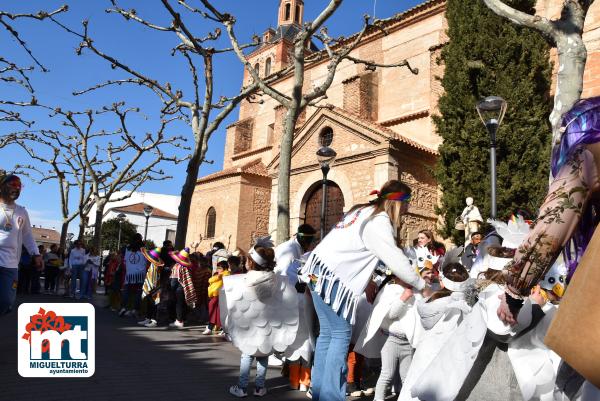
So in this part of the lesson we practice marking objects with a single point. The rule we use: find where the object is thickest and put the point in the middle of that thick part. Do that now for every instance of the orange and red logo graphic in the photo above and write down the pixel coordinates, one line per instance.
(44, 321)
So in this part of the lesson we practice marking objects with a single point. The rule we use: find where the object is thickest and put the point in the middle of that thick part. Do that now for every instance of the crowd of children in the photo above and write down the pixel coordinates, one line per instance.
(435, 338)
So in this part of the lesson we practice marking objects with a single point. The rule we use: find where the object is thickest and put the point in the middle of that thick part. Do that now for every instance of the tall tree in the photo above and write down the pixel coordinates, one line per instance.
(204, 113)
(117, 160)
(487, 55)
(58, 157)
(564, 33)
(335, 49)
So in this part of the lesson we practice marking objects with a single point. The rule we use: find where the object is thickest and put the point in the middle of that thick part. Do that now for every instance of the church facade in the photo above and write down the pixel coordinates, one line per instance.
(379, 123)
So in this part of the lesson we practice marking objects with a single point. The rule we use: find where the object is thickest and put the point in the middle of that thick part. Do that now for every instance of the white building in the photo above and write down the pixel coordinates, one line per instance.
(162, 224)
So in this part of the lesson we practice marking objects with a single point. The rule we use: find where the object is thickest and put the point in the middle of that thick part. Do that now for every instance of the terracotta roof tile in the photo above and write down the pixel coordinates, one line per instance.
(138, 208)
(378, 127)
(45, 235)
(254, 167)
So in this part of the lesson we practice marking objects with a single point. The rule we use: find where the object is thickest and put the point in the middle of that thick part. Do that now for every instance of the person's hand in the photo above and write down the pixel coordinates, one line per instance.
(37, 262)
(427, 291)
(371, 292)
(504, 313)
(537, 296)
(406, 294)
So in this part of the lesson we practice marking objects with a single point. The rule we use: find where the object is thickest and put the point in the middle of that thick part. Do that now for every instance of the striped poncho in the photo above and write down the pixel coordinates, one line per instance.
(151, 285)
(183, 275)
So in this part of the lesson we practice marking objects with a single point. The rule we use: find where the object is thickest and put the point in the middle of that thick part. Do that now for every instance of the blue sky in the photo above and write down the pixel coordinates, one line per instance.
(147, 51)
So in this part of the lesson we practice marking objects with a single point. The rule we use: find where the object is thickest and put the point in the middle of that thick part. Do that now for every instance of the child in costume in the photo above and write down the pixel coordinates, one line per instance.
(439, 315)
(534, 364)
(260, 312)
(214, 285)
(151, 289)
(182, 286)
(473, 363)
(389, 333)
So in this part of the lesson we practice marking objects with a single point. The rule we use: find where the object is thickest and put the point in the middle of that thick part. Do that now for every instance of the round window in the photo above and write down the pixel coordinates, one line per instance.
(326, 136)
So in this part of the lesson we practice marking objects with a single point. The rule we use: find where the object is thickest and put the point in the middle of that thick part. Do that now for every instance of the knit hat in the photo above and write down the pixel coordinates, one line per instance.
(182, 257)
(153, 256)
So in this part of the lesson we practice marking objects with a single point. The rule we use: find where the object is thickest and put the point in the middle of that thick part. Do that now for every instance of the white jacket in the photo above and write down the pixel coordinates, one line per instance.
(349, 255)
(20, 235)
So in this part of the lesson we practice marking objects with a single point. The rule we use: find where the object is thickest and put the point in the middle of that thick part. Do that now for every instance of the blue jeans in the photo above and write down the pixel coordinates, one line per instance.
(78, 272)
(330, 368)
(261, 370)
(8, 289)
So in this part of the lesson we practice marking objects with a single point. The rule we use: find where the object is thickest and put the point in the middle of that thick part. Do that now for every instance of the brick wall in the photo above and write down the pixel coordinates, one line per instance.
(243, 135)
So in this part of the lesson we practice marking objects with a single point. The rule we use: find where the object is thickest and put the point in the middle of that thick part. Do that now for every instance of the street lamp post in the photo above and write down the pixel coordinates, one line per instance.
(121, 217)
(325, 156)
(147, 212)
(491, 111)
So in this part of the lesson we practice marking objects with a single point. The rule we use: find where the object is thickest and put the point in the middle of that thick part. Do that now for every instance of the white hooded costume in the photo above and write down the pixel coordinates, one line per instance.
(259, 309)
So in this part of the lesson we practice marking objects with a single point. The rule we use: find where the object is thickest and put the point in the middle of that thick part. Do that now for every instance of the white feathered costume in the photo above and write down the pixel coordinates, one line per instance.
(260, 312)
(371, 339)
(443, 378)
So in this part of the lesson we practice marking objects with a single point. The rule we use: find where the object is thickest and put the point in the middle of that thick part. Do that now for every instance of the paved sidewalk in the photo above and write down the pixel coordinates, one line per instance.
(136, 363)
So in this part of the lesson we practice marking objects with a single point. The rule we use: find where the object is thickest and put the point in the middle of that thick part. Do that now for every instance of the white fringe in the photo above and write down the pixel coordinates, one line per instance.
(344, 299)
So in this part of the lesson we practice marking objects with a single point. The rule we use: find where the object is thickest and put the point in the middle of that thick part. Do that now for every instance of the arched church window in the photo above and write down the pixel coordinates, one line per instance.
(211, 222)
(326, 136)
(257, 68)
(268, 67)
(297, 16)
(288, 11)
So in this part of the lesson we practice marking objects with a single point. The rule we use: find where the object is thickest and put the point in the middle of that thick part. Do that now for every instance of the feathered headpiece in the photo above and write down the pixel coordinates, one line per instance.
(397, 196)
(513, 233)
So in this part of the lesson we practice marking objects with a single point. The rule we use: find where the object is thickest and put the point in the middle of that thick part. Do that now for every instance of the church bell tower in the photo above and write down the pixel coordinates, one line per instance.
(291, 12)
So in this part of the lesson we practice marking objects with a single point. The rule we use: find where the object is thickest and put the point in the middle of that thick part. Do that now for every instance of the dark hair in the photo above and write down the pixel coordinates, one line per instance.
(136, 243)
(218, 245)
(267, 254)
(234, 260)
(223, 264)
(453, 271)
(306, 235)
(476, 233)
(493, 275)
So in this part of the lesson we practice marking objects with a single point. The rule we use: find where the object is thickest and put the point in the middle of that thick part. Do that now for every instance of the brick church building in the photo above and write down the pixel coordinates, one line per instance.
(380, 125)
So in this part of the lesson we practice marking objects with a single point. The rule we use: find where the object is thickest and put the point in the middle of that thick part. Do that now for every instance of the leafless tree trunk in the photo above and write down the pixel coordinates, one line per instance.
(198, 109)
(66, 167)
(103, 162)
(336, 50)
(565, 34)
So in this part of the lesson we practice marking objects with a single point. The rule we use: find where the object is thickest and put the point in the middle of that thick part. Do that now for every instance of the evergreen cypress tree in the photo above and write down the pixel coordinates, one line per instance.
(487, 55)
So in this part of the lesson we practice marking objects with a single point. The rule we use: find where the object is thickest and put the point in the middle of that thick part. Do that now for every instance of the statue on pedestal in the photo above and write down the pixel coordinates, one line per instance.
(471, 218)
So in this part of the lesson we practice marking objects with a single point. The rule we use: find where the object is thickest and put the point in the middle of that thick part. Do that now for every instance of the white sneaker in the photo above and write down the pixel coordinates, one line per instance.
(130, 313)
(303, 388)
(309, 393)
(207, 331)
(237, 391)
(151, 323)
(176, 324)
(274, 361)
(369, 391)
(260, 392)
(144, 322)
(122, 312)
